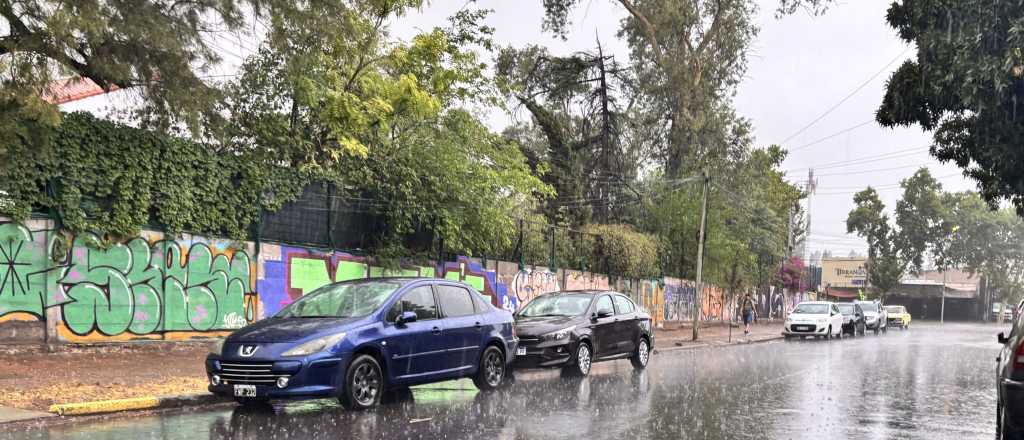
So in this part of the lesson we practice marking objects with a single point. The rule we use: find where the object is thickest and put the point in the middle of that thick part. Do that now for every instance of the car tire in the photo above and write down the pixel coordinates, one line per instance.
(885, 329)
(828, 334)
(581, 362)
(642, 355)
(1003, 429)
(363, 385)
(491, 372)
(877, 330)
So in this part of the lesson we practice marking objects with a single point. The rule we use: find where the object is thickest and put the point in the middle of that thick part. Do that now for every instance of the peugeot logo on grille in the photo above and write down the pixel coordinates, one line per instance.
(247, 350)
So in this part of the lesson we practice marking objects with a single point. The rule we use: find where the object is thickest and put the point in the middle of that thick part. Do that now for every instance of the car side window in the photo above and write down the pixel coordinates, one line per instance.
(455, 301)
(604, 303)
(480, 300)
(623, 305)
(419, 300)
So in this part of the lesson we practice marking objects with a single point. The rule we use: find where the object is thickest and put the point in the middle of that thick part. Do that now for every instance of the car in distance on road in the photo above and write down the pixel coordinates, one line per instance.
(820, 319)
(356, 340)
(573, 329)
(898, 317)
(1010, 383)
(853, 318)
(874, 316)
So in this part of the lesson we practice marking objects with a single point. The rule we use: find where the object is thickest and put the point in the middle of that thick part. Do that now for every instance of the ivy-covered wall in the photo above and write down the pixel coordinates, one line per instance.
(100, 176)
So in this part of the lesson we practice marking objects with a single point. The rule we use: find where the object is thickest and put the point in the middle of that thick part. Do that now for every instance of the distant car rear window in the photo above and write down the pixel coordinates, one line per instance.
(846, 309)
(816, 309)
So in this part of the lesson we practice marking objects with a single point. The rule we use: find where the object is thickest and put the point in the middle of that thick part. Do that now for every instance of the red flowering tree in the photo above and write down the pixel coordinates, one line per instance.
(793, 274)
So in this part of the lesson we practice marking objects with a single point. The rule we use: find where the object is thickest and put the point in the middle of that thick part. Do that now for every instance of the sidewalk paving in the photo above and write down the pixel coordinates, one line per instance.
(34, 379)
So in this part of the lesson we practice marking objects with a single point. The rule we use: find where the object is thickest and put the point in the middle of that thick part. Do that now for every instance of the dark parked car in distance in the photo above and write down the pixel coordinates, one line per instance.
(1010, 382)
(573, 329)
(853, 319)
(356, 340)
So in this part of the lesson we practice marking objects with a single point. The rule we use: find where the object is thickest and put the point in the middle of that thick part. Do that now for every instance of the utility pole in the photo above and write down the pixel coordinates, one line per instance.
(700, 255)
(942, 310)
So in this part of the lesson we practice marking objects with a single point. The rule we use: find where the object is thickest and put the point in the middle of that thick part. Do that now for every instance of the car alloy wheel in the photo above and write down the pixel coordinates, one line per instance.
(583, 359)
(642, 355)
(364, 383)
(491, 373)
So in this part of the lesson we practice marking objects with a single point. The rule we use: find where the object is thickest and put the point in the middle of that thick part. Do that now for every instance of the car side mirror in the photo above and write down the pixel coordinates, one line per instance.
(1002, 338)
(405, 318)
(602, 314)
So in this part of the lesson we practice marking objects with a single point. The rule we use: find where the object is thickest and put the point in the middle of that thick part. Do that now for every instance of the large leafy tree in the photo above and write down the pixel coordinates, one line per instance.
(161, 49)
(689, 56)
(966, 84)
(985, 241)
(919, 230)
(384, 120)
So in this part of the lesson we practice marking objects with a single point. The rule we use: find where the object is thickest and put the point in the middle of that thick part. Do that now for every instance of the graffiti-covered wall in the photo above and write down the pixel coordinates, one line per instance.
(56, 287)
(148, 287)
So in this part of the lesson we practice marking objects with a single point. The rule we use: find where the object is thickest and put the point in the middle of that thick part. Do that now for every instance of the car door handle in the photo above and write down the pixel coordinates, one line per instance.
(436, 330)
(477, 325)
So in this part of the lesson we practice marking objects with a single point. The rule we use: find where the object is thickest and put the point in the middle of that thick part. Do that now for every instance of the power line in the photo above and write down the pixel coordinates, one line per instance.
(850, 95)
(845, 130)
(863, 160)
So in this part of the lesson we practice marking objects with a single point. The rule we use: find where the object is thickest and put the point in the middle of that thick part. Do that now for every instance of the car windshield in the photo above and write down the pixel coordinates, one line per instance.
(557, 305)
(846, 309)
(811, 309)
(868, 307)
(894, 309)
(345, 300)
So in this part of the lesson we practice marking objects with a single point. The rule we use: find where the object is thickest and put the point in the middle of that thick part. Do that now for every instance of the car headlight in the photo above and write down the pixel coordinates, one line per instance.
(315, 346)
(560, 334)
(217, 347)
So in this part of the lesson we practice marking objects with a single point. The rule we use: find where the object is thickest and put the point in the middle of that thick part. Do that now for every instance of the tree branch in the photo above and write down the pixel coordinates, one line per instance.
(716, 24)
(648, 29)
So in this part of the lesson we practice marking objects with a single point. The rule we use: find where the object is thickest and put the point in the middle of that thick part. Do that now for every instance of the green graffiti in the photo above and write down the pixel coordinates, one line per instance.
(142, 289)
(25, 284)
(348, 270)
(308, 274)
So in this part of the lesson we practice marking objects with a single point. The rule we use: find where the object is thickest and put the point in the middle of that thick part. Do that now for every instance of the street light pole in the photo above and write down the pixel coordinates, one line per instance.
(942, 310)
(700, 257)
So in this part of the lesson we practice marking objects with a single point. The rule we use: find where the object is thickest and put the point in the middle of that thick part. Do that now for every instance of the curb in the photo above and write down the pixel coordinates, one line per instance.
(138, 403)
(711, 344)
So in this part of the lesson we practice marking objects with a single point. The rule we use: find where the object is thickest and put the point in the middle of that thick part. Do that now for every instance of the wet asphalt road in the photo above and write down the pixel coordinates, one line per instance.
(930, 382)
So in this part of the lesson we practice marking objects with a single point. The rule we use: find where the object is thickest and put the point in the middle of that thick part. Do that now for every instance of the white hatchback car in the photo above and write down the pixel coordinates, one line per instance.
(820, 319)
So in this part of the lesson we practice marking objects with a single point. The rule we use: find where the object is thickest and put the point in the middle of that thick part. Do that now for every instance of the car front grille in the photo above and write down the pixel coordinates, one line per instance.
(247, 373)
(525, 341)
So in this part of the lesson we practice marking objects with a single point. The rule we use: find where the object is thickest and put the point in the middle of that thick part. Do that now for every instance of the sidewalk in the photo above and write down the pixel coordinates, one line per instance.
(676, 336)
(34, 379)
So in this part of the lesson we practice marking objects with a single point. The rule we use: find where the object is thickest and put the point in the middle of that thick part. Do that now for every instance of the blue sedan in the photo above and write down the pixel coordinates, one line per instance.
(358, 339)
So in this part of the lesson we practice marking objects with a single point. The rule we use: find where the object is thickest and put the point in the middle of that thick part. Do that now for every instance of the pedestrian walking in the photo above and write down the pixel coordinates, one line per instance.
(747, 310)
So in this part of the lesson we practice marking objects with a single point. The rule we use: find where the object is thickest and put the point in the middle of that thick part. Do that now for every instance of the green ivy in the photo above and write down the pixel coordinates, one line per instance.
(111, 179)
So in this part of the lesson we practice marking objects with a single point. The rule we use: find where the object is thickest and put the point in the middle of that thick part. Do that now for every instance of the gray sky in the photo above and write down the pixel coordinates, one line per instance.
(800, 68)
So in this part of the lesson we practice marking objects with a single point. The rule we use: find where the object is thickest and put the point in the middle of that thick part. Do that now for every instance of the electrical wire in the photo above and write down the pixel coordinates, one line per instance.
(846, 98)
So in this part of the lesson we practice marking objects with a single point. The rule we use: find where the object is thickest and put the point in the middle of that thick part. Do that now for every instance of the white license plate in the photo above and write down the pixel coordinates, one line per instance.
(521, 351)
(245, 390)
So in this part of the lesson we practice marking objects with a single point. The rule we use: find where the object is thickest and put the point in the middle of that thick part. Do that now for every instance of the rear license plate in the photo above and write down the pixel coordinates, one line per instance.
(521, 351)
(245, 390)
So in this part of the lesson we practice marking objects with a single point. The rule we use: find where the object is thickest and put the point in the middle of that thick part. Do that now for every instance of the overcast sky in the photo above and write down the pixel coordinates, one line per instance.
(800, 68)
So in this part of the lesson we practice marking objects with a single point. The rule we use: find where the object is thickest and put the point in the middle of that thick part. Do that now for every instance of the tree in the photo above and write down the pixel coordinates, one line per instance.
(689, 55)
(986, 242)
(895, 249)
(159, 49)
(965, 84)
(384, 121)
(574, 108)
